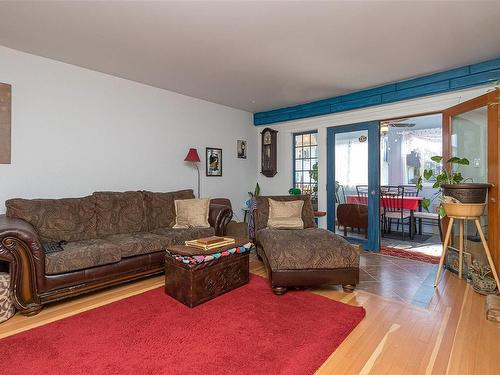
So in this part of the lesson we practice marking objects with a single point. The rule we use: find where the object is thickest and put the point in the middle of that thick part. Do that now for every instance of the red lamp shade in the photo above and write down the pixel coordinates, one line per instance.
(192, 156)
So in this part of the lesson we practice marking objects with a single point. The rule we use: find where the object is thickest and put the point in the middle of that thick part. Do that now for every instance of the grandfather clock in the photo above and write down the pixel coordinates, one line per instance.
(269, 166)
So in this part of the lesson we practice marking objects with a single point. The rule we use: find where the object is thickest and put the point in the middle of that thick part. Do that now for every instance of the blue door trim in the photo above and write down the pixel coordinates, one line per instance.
(450, 80)
(373, 242)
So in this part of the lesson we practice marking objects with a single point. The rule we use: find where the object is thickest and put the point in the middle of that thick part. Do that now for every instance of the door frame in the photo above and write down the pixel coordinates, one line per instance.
(373, 128)
(493, 132)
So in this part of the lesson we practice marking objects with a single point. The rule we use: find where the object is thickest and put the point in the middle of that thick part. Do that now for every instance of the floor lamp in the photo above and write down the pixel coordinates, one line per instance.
(193, 158)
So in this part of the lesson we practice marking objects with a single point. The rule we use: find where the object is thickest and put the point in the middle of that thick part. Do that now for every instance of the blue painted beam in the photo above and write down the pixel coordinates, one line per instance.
(454, 79)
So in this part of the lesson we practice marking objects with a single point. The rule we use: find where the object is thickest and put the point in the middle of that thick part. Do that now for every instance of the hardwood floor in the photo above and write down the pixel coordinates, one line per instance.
(450, 336)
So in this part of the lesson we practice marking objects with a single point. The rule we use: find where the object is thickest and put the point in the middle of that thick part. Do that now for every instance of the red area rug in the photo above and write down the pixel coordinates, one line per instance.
(246, 331)
(409, 254)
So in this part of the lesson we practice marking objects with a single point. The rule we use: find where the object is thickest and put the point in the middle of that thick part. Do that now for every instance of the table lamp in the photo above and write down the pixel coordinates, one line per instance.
(193, 157)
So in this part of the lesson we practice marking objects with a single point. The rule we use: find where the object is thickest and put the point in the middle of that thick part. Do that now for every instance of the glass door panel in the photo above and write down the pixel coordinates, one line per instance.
(469, 139)
(352, 183)
(471, 130)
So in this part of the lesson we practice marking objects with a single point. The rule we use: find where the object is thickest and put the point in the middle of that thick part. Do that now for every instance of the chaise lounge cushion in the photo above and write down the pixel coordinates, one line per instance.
(139, 243)
(261, 214)
(78, 255)
(178, 236)
(310, 248)
(68, 219)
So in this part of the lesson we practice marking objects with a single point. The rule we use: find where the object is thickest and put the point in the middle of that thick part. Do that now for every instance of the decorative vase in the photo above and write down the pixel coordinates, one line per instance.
(484, 285)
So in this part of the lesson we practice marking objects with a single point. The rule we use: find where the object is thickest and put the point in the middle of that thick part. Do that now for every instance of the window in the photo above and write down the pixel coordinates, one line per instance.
(305, 164)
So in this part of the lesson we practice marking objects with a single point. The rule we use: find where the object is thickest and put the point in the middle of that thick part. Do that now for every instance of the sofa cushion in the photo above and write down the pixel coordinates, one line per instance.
(119, 212)
(178, 236)
(261, 214)
(78, 255)
(160, 208)
(68, 219)
(132, 244)
(311, 248)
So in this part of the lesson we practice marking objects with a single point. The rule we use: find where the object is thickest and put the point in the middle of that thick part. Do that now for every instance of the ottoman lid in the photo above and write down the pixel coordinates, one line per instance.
(190, 251)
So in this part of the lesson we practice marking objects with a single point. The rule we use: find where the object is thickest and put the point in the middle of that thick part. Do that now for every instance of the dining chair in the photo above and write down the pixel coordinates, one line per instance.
(432, 218)
(410, 190)
(362, 191)
(339, 193)
(393, 209)
(339, 198)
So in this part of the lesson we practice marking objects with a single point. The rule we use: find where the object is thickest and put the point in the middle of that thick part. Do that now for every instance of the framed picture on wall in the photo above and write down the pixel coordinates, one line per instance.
(214, 162)
(241, 149)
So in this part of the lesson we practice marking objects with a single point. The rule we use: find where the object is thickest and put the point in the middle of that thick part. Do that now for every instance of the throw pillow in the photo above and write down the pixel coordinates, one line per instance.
(192, 213)
(285, 215)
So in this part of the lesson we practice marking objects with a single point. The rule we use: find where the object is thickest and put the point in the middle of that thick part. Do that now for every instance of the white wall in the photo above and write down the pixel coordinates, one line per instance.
(280, 183)
(75, 131)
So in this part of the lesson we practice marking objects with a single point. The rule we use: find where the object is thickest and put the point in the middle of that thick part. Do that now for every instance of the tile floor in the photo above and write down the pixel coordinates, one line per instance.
(431, 246)
(402, 279)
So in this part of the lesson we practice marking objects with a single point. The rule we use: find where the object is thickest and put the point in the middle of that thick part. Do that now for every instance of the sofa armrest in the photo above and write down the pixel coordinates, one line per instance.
(218, 217)
(21, 248)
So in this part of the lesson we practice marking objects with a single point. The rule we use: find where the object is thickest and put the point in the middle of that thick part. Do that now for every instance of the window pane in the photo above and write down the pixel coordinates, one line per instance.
(307, 164)
(306, 139)
(314, 151)
(298, 153)
(306, 153)
(298, 165)
(298, 177)
(306, 177)
(298, 140)
(314, 139)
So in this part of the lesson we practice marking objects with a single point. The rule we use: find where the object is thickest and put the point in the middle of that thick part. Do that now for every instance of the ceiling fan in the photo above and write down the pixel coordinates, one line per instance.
(399, 123)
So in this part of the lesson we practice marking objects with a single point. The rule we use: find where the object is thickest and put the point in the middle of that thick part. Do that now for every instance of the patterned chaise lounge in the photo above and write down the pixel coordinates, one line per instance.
(303, 257)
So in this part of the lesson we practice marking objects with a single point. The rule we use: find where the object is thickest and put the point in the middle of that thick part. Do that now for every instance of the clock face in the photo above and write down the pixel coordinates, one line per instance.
(267, 138)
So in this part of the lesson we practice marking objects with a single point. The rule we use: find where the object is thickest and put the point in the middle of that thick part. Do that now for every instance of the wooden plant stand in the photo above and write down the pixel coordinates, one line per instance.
(471, 212)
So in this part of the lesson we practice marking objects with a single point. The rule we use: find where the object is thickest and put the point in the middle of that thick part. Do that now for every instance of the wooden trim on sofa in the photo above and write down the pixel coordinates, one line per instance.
(72, 291)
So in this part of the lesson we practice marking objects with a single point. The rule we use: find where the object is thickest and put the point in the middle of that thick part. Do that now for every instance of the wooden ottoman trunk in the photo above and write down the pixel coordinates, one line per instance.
(192, 280)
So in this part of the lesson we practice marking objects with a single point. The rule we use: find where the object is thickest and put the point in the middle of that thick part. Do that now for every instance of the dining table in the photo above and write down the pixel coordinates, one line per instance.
(411, 204)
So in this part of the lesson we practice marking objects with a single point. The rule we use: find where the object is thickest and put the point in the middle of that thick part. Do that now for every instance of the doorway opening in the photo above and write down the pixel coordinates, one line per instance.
(406, 148)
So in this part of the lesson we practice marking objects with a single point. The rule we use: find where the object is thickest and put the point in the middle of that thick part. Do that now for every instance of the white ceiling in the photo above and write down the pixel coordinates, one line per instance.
(257, 55)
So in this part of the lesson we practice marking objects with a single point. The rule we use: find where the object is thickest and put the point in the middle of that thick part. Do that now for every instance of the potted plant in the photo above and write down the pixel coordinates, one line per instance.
(481, 282)
(458, 194)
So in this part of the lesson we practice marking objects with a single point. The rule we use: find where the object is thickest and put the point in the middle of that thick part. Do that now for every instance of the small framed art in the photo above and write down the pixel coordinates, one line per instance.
(241, 149)
(214, 162)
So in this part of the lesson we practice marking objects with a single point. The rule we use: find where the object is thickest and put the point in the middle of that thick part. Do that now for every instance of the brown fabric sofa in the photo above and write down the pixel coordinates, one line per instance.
(112, 237)
(303, 257)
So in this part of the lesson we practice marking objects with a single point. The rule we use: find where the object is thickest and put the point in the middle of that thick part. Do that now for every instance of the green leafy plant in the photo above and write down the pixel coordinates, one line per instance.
(256, 192)
(443, 178)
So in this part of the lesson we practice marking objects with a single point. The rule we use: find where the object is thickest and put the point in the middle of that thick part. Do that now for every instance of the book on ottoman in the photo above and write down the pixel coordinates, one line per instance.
(212, 242)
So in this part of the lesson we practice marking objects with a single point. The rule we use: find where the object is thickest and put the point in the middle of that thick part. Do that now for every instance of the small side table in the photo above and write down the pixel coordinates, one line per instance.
(462, 219)
(319, 213)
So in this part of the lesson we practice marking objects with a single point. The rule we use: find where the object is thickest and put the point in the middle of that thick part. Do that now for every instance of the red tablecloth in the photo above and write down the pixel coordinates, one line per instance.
(409, 203)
